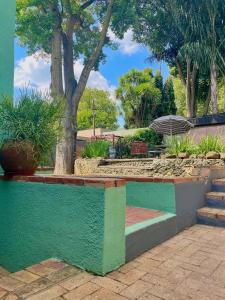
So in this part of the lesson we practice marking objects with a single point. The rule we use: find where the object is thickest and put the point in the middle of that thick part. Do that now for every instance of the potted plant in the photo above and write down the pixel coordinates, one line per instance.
(28, 131)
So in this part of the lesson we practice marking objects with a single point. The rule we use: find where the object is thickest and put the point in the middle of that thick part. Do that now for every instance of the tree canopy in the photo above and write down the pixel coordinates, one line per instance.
(145, 97)
(188, 35)
(97, 104)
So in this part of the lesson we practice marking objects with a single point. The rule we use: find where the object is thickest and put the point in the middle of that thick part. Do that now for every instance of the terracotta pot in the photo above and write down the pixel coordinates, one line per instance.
(18, 158)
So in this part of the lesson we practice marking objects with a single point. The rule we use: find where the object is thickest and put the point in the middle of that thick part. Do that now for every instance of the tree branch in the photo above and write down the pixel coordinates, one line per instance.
(95, 55)
(87, 4)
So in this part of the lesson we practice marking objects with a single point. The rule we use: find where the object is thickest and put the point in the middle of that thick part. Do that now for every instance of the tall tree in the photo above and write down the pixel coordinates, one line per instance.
(185, 34)
(139, 96)
(169, 105)
(96, 105)
(68, 30)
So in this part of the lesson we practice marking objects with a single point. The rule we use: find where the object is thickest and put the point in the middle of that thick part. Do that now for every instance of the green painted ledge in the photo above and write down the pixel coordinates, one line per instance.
(78, 224)
(7, 28)
(158, 196)
(147, 223)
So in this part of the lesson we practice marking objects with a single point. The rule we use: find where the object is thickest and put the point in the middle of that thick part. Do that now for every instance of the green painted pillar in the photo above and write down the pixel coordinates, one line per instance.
(7, 29)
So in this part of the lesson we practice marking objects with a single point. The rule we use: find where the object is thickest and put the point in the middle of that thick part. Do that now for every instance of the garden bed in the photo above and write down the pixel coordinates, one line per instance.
(144, 167)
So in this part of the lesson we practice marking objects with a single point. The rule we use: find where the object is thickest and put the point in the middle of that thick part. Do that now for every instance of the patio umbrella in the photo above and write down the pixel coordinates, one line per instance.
(171, 125)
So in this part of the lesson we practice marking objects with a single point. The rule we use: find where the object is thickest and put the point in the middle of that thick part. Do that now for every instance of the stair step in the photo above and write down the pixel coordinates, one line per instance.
(218, 185)
(211, 216)
(215, 199)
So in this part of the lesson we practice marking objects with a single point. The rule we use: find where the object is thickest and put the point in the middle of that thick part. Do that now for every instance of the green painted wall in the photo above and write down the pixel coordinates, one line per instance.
(159, 196)
(78, 224)
(7, 27)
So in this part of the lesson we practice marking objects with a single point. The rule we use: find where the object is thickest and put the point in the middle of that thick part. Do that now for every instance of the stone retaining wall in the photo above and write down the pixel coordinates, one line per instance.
(143, 167)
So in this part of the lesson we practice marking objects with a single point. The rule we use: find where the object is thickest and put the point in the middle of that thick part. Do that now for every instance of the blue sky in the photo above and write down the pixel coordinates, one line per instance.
(35, 71)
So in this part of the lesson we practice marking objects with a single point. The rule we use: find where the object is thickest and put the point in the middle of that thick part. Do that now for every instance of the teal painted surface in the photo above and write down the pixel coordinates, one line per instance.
(147, 223)
(7, 27)
(115, 211)
(72, 223)
(158, 196)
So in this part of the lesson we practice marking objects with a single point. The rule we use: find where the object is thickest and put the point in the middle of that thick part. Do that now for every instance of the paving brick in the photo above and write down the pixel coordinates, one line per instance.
(76, 281)
(127, 278)
(31, 288)
(109, 284)
(135, 290)
(9, 283)
(147, 296)
(49, 294)
(129, 266)
(82, 291)
(146, 264)
(159, 281)
(11, 297)
(54, 264)
(63, 274)
(104, 294)
(178, 275)
(25, 276)
(40, 270)
(3, 292)
(3, 272)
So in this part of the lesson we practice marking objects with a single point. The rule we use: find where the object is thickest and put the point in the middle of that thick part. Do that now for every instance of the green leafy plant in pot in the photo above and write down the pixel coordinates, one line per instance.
(28, 130)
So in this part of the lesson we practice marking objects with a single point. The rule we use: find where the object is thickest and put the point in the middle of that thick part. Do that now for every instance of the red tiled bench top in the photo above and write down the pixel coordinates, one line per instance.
(98, 182)
(136, 215)
(159, 179)
(164, 180)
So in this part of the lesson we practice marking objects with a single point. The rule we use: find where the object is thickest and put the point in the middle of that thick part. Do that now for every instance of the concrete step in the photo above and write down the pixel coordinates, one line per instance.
(215, 199)
(211, 216)
(218, 185)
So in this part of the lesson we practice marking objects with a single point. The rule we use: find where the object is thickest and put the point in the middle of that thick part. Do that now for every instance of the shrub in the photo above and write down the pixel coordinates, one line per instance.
(96, 149)
(177, 144)
(149, 136)
(210, 143)
(33, 118)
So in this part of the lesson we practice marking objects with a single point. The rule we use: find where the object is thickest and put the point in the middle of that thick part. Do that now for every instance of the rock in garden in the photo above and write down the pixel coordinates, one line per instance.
(222, 156)
(170, 155)
(183, 155)
(201, 156)
(193, 156)
(212, 155)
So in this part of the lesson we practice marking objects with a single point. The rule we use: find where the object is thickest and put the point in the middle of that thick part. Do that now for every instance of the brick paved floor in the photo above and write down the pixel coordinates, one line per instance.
(135, 215)
(191, 265)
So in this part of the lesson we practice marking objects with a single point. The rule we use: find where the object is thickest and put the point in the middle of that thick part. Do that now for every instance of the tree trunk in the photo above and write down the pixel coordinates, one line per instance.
(224, 92)
(56, 64)
(214, 97)
(65, 155)
(188, 89)
(193, 91)
(206, 107)
(65, 150)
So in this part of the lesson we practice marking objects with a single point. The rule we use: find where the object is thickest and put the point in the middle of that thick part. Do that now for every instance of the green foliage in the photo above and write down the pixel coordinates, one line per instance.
(210, 143)
(175, 30)
(98, 102)
(144, 97)
(149, 136)
(32, 118)
(96, 149)
(177, 144)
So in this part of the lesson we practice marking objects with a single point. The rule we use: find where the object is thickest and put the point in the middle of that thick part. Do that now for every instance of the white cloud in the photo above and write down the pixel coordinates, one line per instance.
(126, 45)
(34, 71)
